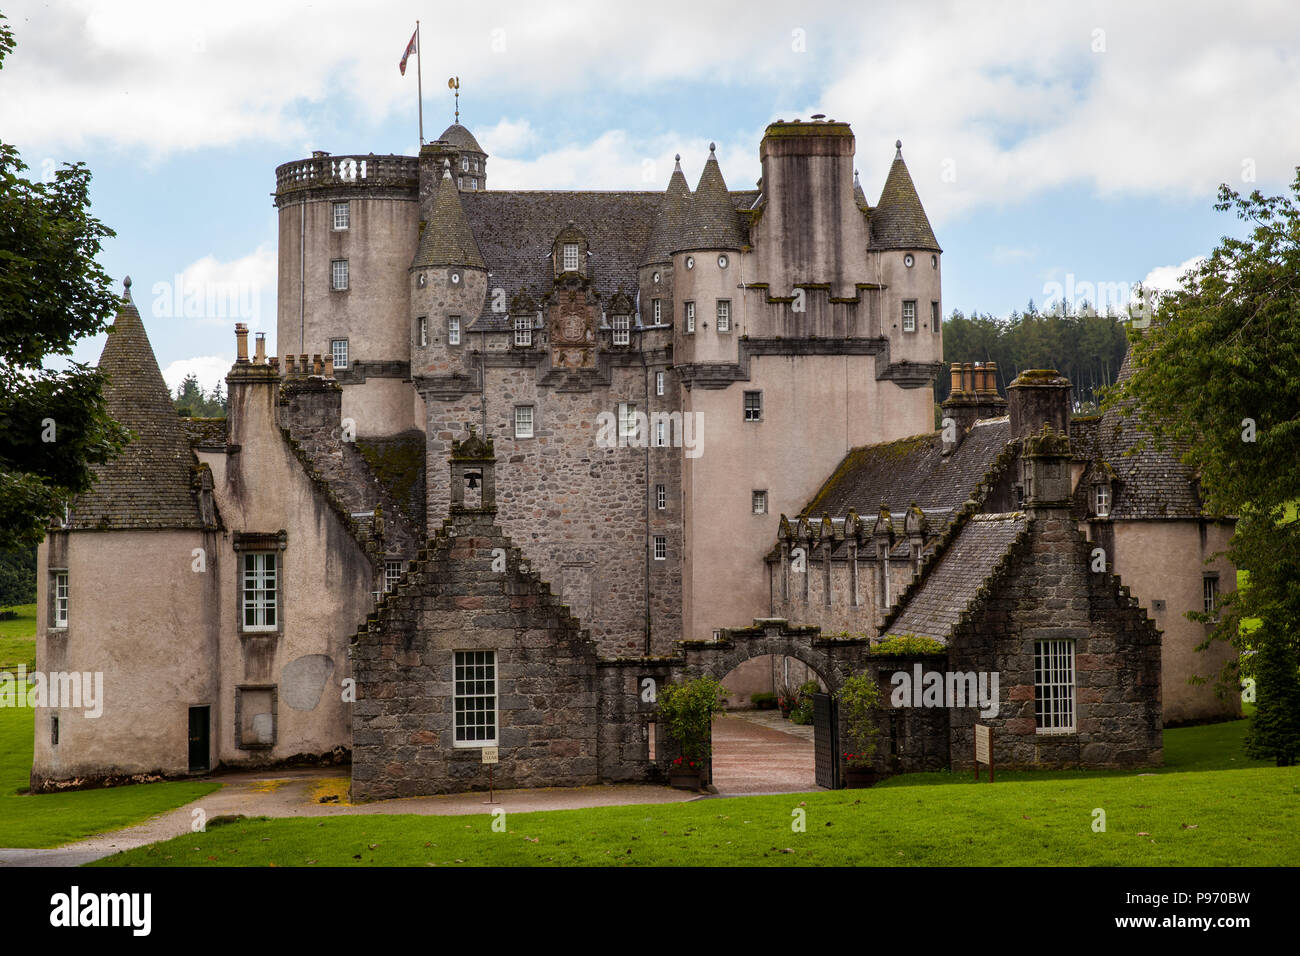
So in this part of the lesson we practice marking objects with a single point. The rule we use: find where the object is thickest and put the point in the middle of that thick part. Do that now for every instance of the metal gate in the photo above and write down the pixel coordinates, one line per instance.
(826, 740)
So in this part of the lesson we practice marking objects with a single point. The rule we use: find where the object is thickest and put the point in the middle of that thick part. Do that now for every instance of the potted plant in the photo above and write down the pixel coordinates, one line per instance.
(786, 698)
(859, 698)
(686, 711)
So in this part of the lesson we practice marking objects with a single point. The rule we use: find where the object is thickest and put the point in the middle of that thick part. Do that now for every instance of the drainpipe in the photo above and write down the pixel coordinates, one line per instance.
(302, 276)
(645, 378)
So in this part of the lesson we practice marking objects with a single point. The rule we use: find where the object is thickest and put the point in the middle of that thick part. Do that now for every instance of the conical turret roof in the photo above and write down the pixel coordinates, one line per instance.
(670, 223)
(899, 220)
(150, 484)
(713, 222)
(448, 239)
(461, 138)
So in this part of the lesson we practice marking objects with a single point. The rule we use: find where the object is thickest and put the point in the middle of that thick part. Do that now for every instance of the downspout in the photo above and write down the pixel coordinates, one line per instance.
(645, 377)
(302, 276)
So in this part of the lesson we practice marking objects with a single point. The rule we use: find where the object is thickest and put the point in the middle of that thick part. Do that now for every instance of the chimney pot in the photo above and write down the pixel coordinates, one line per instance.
(241, 343)
(955, 385)
(259, 356)
(329, 365)
(315, 364)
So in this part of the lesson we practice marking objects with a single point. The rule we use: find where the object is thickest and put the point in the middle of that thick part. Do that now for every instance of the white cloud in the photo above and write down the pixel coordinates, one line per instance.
(222, 293)
(1169, 278)
(208, 369)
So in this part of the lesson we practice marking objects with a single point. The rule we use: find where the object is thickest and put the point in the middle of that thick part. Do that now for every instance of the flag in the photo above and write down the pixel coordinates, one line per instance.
(410, 48)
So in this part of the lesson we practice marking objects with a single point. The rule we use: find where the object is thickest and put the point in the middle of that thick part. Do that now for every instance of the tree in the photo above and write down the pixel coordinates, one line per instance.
(1217, 377)
(53, 425)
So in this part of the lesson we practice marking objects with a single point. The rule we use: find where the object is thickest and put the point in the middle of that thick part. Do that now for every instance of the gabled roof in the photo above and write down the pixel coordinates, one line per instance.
(913, 469)
(933, 606)
(461, 138)
(670, 222)
(899, 220)
(447, 239)
(712, 221)
(150, 484)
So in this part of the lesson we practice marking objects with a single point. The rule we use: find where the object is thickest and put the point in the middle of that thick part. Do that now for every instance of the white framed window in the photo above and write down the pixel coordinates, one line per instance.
(523, 330)
(622, 327)
(909, 316)
(453, 330)
(260, 588)
(473, 182)
(338, 274)
(1054, 687)
(523, 421)
(422, 331)
(627, 424)
(392, 574)
(936, 321)
(474, 165)
(661, 547)
(61, 599)
(690, 317)
(342, 216)
(758, 502)
(570, 257)
(659, 383)
(464, 164)
(658, 308)
(1101, 500)
(724, 315)
(753, 406)
(460, 182)
(1210, 593)
(661, 497)
(339, 352)
(474, 698)
(661, 434)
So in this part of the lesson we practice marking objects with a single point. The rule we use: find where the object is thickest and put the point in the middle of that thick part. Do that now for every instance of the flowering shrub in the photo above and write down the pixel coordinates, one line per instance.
(859, 698)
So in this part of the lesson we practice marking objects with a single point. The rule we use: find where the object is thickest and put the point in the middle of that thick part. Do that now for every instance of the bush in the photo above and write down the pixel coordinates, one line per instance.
(687, 712)
(802, 713)
(859, 698)
(1275, 729)
(764, 701)
(908, 645)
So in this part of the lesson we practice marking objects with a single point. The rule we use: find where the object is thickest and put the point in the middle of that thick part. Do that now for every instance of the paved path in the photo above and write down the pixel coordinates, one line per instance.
(753, 755)
(293, 793)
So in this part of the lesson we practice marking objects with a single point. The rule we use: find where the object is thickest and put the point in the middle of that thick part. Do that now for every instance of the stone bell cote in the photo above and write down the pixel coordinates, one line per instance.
(473, 481)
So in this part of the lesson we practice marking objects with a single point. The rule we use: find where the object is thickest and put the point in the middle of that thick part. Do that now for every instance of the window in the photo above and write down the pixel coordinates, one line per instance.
(475, 698)
(936, 323)
(339, 274)
(259, 590)
(661, 547)
(523, 421)
(474, 165)
(339, 352)
(724, 315)
(342, 217)
(661, 497)
(661, 434)
(753, 406)
(453, 330)
(523, 330)
(392, 574)
(659, 383)
(690, 316)
(1210, 593)
(1054, 687)
(1101, 500)
(658, 305)
(473, 182)
(460, 182)
(909, 316)
(464, 164)
(909, 260)
(570, 257)
(759, 501)
(627, 426)
(622, 324)
(54, 730)
(61, 599)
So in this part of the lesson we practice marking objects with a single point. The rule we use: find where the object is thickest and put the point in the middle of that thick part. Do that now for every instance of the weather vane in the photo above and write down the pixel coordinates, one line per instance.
(453, 84)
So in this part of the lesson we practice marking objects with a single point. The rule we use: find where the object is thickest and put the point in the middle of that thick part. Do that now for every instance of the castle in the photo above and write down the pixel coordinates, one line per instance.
(632, 391)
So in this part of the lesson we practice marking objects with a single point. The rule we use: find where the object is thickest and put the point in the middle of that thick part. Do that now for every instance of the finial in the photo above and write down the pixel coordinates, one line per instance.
(712, 147)
(126, 286)
(453, 84)
(855, 175)
(446, 169)
(898, 145)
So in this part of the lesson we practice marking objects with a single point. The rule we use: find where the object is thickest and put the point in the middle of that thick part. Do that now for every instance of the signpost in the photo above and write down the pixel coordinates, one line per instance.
(983, 750)
(491, 755)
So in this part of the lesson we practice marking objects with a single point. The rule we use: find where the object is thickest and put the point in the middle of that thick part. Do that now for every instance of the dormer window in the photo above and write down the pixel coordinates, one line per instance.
(523, 331)
(1101, 500)
(570, 257)
(622, 329)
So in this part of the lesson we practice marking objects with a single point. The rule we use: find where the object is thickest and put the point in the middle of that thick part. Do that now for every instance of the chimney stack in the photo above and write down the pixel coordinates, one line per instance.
(974, 397)
(241, 343)
(259, 357)
(1039, 397)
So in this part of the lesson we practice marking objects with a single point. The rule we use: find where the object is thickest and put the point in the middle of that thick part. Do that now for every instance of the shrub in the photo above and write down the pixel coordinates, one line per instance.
(765, 701)
(687, 712)
(803, 706)
(1275, 727)
(859, 698)
(908, 645)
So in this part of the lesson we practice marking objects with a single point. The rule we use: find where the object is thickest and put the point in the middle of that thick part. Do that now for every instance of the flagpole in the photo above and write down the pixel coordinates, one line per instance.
(419, 81)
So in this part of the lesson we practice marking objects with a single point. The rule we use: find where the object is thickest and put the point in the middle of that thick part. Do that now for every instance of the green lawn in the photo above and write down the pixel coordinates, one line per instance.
(1209, 807)
(44, 820)
(18, 639)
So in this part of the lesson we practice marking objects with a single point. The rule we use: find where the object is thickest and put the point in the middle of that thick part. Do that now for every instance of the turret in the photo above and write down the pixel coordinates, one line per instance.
(706, 268)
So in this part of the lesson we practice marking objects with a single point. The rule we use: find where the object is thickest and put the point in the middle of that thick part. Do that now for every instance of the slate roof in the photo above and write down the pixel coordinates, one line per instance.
(712, 221)
(912, 469)
(149, 485)
(1150, 484)
(447, 239)
(205, 432)
(670, 222)
(515, 231)
(899, 220)
(461, 138)
(933, 606)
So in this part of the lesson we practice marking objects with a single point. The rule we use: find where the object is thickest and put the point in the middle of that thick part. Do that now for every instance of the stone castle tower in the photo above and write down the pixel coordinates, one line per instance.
(662, 373)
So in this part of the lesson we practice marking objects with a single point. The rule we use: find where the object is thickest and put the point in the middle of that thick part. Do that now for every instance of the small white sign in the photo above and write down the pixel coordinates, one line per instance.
(490, 755)
(982, 738)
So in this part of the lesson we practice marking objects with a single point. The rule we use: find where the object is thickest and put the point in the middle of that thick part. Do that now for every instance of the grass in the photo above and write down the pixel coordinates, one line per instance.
(45, 820)
(1208, 807)
(18, 639)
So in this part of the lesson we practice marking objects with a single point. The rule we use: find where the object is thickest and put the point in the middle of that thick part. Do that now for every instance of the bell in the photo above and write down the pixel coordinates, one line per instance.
(471, 480)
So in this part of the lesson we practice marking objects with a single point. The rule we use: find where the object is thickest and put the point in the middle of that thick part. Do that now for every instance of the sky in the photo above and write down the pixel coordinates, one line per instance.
(1058, 148)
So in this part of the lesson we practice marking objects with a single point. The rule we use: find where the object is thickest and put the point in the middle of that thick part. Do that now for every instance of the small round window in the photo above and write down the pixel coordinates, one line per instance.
(722, 262)
(419, 280)
(908, 260)
(690, 262)
(455, 278)
(656, 277)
